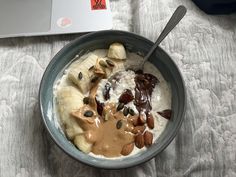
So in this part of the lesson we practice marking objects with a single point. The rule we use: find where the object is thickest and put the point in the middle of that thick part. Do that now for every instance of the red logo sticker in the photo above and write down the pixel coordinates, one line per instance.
(98, 4)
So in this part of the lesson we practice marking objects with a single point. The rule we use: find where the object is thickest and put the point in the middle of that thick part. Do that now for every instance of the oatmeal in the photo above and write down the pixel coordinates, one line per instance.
(109, 109)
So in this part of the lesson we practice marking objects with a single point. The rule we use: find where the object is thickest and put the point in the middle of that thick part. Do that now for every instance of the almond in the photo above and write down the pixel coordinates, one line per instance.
(150, 121)
(138, 129)
(127, 149)
(139, 141)
(148, 137)
(141, 119)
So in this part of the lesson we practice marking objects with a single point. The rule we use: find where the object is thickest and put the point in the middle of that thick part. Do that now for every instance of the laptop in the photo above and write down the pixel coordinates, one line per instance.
(47, 17)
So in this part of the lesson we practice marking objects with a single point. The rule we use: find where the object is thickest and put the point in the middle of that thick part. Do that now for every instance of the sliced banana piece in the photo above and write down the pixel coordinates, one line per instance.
(69, 98)
(117, 51)
(81, 73)
(119, 66)
(73, 130)
(81, 143)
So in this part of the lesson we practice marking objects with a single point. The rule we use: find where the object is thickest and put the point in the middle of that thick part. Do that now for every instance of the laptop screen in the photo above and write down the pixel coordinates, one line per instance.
(23, 16)
(46, 17)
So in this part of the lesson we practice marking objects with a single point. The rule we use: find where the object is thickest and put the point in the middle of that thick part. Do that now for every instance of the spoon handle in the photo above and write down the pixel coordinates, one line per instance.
(174, 20)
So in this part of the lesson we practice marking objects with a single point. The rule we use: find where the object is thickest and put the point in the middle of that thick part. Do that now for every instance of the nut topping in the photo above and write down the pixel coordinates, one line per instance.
(127, 149)
(119, 124)
(139, 141)
(88, 113)
(120, 106)
(150, 121)
(142, 119)
(126, 111)
(131, 112)
(148, 137)
(103, 63)
(110, 63)
(80, 75)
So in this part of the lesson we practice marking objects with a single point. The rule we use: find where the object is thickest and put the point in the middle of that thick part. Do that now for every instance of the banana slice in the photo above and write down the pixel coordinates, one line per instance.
(80, 73)
(117, 51)
(119, 66)
(69, 98)
(81, 143)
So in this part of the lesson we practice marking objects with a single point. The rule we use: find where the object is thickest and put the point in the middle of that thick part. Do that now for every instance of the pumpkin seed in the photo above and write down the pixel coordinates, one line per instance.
(88, 113)
(103, 63)
(119, 124)
(80, 76)
(94, 79)
(120, 106)
(131, 112)
(86, 100)
(110, 63)
(125, 111)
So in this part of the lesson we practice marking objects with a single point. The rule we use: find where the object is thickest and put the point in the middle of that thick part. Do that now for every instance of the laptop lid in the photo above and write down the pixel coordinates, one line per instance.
(47, 17)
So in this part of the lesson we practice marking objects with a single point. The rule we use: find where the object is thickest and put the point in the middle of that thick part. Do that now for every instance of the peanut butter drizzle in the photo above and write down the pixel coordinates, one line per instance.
(106, 137)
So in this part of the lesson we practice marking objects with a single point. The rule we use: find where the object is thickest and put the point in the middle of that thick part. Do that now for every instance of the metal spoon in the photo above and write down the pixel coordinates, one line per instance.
(174, 20)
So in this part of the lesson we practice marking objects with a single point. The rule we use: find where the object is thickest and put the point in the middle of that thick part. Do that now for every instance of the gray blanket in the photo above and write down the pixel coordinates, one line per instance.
(203, 47)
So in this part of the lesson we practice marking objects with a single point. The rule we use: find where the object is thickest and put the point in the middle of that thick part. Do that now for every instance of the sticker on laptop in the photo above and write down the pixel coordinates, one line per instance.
(64, 22)
(98, 4)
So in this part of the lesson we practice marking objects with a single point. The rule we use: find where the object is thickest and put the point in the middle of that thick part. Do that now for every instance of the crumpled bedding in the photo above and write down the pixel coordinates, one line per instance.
(204, 49)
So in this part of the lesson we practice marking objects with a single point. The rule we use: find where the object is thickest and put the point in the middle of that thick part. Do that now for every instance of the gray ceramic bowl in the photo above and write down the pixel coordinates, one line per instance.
(133, 43)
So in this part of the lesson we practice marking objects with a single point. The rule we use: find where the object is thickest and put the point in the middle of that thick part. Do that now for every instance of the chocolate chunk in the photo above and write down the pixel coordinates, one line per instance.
(139, 71)
(126, 97)
(106, 91)
(99, 107)
(144, 85)
(166, 113)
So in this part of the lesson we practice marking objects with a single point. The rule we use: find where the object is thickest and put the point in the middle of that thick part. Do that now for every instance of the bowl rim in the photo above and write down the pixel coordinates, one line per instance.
(97, 165)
